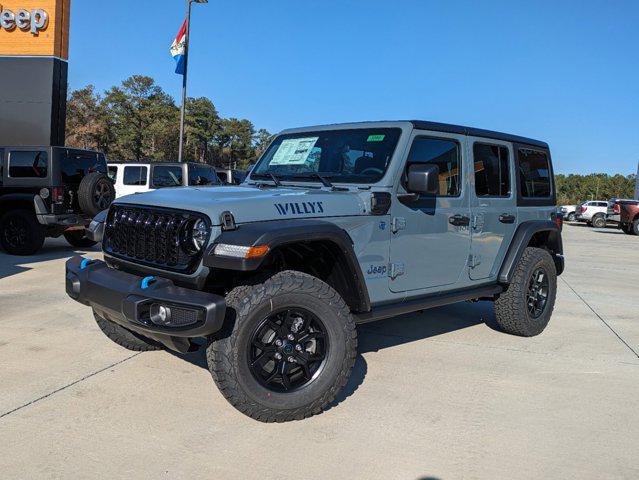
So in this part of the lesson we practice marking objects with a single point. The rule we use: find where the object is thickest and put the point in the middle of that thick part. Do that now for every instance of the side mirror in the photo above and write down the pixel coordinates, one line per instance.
(423, 179)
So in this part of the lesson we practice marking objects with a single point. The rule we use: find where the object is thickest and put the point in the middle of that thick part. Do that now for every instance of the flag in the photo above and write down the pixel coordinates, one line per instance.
(178, 49)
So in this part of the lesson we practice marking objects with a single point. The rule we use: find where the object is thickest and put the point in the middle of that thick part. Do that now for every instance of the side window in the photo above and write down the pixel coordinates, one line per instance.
(534, 174)
(135, 175)
(492, 172)
(202, 176)
(113, 172)
(167, 176)
(28, 164)
(444, 154)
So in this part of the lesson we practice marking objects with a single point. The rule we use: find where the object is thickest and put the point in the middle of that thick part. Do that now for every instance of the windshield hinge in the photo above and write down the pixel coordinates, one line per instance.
(395, 270)
(398, 223)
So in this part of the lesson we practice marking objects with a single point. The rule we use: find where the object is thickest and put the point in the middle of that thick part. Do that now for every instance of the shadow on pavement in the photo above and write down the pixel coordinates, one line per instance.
(392, 332)
(12, 265)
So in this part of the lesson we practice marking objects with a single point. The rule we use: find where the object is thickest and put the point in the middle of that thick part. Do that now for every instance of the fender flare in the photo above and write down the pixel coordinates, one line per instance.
(281, 233)
(12, 198)
(521, 240)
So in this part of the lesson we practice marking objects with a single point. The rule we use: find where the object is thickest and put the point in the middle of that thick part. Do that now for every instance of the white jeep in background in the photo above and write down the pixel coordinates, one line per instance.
(139, 177)
(593, 213)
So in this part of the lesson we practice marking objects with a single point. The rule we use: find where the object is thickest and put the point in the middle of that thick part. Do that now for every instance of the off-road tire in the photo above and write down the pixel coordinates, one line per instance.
(34, 233)
(247, 306)
(126, 338)
(599, 221)
(634, 227)
(77, 238)
(95, 193)
(511, 310)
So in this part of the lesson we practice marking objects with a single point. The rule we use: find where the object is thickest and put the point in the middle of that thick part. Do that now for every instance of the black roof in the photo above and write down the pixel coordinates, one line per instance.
(476, 132)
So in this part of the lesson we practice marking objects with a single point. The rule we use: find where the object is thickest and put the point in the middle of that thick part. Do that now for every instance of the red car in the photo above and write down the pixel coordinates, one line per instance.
(628, 211)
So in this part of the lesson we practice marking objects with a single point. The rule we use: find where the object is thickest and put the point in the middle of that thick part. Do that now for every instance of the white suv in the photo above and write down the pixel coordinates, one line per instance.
(593, 213)
(569, 212)
(138, 177)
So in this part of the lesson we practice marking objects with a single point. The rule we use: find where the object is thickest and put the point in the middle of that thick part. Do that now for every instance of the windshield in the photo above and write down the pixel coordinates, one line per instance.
(348, 156)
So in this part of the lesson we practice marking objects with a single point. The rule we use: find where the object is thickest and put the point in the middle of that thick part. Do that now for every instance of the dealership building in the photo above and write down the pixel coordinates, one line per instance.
(34, 52)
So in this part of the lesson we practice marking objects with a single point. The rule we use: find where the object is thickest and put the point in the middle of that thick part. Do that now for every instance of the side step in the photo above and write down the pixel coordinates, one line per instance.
(426, 302)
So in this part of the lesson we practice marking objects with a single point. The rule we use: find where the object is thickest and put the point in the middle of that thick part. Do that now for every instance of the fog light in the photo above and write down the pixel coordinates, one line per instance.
(160, 315)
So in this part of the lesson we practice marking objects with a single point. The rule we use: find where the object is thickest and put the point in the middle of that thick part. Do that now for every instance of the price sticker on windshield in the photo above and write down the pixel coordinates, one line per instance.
(294, 151)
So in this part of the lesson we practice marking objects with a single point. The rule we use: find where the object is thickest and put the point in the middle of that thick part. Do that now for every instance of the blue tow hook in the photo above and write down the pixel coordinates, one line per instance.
(85, 263)
(146, 282)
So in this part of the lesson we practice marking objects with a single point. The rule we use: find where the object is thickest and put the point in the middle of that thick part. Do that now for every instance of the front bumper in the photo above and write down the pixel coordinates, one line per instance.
(129, 300)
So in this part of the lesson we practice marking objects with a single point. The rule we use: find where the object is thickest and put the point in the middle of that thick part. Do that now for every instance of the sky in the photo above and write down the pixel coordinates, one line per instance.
(563, 72)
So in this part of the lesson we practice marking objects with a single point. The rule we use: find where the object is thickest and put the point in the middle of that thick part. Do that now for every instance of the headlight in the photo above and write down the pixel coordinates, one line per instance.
(199, 234)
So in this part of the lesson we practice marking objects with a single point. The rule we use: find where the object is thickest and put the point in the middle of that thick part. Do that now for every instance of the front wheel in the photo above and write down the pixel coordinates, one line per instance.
(287, 349)
(526, 306)
(571, 217)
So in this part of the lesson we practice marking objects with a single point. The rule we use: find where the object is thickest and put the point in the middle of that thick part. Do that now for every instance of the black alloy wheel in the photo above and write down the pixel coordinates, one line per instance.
(288, 350)
(537, 295)
(102, 195)
(16, 232)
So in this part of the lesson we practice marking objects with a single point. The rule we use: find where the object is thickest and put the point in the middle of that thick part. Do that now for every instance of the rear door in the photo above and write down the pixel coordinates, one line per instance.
(493, 205)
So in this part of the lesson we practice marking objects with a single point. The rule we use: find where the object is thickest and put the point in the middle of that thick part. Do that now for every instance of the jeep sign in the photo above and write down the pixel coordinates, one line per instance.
(34, 21)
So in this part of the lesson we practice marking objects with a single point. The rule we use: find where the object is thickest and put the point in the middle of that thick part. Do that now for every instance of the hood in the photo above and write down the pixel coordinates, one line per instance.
(251, 204)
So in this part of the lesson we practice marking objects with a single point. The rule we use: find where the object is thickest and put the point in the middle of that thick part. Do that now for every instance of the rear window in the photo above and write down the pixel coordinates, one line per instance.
(492, 172)
(135, 175)
(167, 176)
(202, 176)
(75, 165)
(534, 174)
(28, 164)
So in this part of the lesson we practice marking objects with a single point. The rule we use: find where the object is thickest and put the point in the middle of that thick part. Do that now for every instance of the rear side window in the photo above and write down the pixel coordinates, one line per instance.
(492, 171)
(202, 176)
(76, 165)
(135, 175)
(167, 176)
(28, 164)
(534, 174)
(444, 154)
(113, 172)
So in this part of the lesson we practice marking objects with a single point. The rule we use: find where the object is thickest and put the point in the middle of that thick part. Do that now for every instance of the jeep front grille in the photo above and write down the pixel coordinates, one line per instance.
(152, 236)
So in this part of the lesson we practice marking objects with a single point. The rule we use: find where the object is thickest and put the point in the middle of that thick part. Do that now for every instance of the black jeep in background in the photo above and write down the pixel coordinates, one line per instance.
(48, 192)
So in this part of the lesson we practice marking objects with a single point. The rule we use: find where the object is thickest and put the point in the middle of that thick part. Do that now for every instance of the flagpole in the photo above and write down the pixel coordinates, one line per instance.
(184, 77)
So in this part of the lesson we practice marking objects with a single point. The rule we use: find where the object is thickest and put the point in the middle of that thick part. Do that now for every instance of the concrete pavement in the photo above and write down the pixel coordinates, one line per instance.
(435, 395)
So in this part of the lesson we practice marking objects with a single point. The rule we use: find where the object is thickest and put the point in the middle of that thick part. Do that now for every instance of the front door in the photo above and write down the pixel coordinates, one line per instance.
(430, 242)
(493, 205)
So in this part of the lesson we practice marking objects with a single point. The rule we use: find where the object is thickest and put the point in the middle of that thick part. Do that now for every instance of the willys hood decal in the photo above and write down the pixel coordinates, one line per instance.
(251, 204)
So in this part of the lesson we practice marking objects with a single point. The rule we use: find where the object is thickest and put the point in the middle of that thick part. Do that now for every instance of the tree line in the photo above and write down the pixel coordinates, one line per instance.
(138, 120)
(572, 189)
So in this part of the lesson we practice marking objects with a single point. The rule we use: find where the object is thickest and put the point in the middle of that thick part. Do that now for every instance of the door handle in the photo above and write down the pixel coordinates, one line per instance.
(459, 220)
(506, 218)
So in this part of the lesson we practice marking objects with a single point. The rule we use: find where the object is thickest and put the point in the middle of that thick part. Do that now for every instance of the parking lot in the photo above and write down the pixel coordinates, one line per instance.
(440, 394)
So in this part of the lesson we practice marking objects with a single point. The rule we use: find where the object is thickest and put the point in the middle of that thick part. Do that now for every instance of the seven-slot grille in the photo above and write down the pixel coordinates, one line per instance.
(152, 236)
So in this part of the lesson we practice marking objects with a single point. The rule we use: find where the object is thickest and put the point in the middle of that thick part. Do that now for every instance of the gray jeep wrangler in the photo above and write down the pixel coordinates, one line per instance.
(335, 225)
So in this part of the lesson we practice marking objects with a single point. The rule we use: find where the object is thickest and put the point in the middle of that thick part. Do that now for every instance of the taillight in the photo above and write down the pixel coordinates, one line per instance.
(559, 221)
(57, 194)
(617, 208)
(582, 209)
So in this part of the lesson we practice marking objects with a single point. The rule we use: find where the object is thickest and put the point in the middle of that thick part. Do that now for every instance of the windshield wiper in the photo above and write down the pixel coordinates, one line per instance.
(270, 175)
(319, 177)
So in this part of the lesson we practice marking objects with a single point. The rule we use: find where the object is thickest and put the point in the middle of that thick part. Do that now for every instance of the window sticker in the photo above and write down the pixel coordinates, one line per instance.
(294, 151)
(376, 138)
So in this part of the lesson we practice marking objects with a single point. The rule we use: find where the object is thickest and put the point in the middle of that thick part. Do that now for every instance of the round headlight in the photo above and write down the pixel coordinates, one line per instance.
(199, 234)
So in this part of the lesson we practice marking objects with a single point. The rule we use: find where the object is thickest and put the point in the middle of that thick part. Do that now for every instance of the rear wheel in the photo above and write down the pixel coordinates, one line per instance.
(77, 238)
(288, 348)
(571, 217)
(599, 221)
(526, 306)
(20, 232)
(125, 338)
(634, 227)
